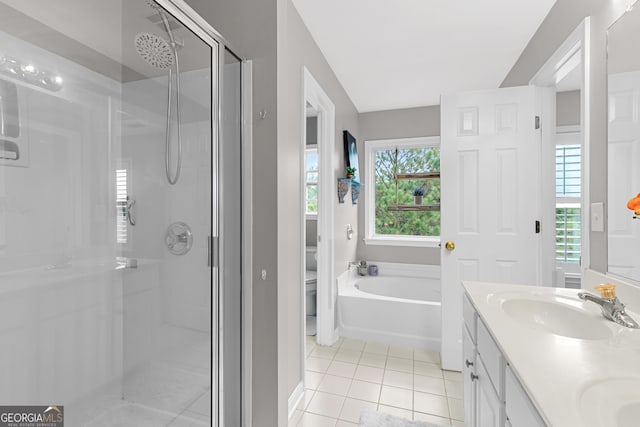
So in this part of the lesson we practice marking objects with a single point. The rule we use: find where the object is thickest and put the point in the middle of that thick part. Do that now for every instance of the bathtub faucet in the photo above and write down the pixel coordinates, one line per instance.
(353, 264)
(362, 268)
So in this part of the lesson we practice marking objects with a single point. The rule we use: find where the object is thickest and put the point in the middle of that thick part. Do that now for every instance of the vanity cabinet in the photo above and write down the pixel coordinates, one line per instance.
(493, 397)
(519, 408)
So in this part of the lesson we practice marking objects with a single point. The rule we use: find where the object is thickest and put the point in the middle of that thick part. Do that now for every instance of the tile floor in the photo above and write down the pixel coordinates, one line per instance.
(353, 375)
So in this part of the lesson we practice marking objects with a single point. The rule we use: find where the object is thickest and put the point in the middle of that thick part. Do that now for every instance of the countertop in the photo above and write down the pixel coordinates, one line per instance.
(571, 381)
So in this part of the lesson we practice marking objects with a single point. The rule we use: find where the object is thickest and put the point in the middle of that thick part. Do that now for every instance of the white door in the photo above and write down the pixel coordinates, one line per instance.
(624, 183)
(490, 186)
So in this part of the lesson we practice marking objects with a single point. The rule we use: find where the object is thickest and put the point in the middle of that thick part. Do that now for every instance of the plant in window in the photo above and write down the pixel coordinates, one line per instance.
(418, 193)
(350, 171)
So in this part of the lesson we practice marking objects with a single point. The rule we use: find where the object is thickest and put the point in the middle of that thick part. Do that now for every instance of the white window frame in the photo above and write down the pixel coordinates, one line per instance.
(311, 215)
(370, 147)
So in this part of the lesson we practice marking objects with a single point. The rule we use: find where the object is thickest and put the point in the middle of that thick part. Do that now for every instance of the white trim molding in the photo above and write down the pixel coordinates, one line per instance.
(574, 52)
(295, 398)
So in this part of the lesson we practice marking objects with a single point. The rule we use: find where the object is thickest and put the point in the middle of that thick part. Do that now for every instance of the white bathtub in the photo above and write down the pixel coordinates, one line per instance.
(400, 306)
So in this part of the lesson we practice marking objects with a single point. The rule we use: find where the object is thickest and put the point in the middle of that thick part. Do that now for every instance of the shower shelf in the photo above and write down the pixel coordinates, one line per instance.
(421, 175)
(413, 208)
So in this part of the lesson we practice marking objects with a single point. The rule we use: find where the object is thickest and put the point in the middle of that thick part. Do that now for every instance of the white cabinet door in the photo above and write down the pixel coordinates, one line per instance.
(489, 408)
(469, 385)
(519, 407)
(491, 195)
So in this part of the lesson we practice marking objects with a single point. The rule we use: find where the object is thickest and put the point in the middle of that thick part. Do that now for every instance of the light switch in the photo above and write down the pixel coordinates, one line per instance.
(597, 216)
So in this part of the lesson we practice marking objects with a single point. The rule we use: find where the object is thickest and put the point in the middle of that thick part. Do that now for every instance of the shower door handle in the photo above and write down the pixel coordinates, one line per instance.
(213, 251)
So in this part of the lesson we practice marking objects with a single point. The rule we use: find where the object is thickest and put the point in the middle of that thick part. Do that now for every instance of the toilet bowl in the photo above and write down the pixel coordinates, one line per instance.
(311, 280)
(310, 284)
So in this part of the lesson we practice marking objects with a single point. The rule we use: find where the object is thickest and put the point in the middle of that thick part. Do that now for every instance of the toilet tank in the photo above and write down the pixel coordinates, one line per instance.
(311, 258)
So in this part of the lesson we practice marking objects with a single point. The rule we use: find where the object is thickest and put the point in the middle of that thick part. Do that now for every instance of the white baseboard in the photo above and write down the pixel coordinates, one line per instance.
(296, 397)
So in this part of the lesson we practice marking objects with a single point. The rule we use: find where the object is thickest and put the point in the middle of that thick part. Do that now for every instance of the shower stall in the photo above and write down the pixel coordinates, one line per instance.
(120, 193)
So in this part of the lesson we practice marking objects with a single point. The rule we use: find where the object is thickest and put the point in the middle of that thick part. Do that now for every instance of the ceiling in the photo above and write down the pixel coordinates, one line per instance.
(405, 53)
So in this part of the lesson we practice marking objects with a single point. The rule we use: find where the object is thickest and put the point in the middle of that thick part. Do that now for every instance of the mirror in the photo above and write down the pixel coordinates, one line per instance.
(623, 183)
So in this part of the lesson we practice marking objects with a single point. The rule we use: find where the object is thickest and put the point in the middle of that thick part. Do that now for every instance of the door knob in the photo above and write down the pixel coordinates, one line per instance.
(449, 246)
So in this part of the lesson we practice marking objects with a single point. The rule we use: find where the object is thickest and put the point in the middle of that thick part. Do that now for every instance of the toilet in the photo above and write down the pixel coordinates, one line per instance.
(310, 284)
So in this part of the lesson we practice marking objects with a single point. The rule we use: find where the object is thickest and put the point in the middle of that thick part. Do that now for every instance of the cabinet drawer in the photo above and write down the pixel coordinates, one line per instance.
(491, 358)
(519, 408)
(470, 318)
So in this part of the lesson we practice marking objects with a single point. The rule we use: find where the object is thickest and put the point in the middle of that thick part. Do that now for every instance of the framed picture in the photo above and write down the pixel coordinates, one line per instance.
(351, 153)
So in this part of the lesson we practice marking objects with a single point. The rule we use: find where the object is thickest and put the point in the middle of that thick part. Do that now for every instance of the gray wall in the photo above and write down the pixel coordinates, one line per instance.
(312, 130)
(405, 123)
(568, 108)
(250, 28)
(559, 23)
(297, 49)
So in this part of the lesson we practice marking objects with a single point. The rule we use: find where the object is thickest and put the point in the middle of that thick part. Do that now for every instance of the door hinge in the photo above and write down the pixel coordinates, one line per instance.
(537, 122)
(213, 256)
(537, 227)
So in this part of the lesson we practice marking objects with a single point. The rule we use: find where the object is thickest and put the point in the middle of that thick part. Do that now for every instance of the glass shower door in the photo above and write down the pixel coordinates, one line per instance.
(108, 196)
(167, 213)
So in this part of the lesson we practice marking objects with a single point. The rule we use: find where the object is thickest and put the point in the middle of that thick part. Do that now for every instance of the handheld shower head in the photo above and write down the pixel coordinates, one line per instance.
(161, 53)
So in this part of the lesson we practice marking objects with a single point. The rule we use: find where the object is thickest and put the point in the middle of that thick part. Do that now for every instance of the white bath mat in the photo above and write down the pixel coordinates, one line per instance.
(380, 419)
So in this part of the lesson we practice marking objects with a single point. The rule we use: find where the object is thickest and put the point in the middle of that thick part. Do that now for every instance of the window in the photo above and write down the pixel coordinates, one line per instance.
(121, 203)
(392, 215)
(568, 198)
(311, 178)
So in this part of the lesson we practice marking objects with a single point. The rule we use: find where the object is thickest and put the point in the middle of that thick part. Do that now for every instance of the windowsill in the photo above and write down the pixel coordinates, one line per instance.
(312, 217)
(422, 242)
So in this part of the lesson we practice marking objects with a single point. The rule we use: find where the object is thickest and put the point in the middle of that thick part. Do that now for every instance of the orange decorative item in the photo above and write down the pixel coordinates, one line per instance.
(634, 204)
(607, 290)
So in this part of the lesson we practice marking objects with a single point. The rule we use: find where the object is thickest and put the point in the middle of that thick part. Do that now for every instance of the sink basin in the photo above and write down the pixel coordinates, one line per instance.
(557, 318)
(611, 402)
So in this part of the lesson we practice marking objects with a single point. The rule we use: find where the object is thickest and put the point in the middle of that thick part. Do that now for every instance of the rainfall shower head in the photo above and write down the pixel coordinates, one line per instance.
(155, 50)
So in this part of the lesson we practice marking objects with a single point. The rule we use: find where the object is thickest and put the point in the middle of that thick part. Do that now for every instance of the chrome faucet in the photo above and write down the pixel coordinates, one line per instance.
(360, 266)
(612, 308)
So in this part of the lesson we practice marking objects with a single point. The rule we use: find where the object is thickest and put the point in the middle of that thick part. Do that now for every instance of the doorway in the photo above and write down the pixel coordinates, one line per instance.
(567, 207)
(311, 218)
(319, 105)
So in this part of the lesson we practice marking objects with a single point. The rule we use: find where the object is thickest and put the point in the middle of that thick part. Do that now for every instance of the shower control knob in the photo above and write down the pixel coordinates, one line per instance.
(178, 238)
(473, 377)
(466, 362)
